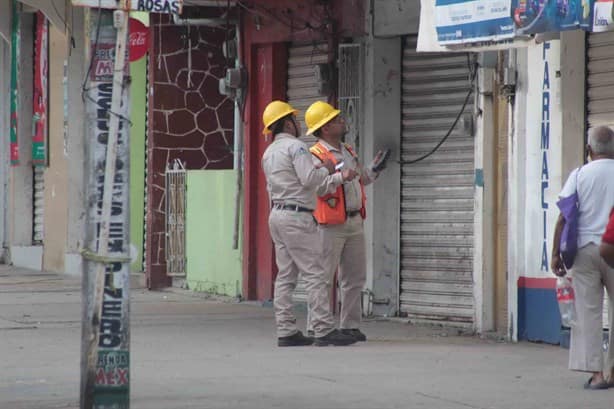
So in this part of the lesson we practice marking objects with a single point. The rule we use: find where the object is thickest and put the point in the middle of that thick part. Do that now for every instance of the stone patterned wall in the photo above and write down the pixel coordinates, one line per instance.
(190, 120)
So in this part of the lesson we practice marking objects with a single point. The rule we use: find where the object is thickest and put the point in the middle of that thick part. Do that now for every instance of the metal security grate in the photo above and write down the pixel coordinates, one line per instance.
(437, 194)
(350, 80)
(39, 205)
(175, 219)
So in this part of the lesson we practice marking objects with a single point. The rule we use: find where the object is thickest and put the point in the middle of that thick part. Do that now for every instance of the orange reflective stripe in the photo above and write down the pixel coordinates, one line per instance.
(316, 149)
(350, 150)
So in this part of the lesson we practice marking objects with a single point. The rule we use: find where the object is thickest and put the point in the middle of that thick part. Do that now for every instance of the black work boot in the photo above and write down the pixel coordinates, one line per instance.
(356, 333)
(295, 340)
(335, 337)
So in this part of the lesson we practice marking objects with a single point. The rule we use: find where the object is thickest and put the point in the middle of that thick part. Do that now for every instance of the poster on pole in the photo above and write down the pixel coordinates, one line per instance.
(39, 109)
(470, 21)
(111, 388)
(150, 6)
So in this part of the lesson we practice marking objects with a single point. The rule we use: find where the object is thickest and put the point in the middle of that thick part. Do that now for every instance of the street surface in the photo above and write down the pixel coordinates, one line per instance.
(190, 352)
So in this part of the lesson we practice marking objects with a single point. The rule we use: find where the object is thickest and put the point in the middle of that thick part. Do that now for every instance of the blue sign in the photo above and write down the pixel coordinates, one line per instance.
(468, 21)
(544, 16)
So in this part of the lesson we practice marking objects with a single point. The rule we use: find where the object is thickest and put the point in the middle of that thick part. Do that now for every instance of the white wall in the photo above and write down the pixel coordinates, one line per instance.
(56, 173)
(75, 146)
(549, 91)
(573, 71)
(485, 203)
(516, 191)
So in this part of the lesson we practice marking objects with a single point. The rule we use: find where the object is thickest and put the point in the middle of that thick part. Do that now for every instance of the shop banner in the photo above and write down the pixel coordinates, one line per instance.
(15, 38)
(150, 6)
(428, 42)
(469, 21)
(41, 71)
(545, 16)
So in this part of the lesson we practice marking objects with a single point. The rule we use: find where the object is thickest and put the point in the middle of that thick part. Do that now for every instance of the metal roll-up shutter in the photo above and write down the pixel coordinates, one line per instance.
(600, 93)
(304, 86)
(437, 194)
(303, 90)
(39, 204)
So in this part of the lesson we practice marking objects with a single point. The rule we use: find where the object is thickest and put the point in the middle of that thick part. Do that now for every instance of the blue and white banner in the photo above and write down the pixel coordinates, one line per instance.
(547, 16)
(467, 21)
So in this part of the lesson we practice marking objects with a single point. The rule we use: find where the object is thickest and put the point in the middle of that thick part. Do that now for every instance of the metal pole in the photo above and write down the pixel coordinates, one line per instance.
(238, 147)
(107, 359)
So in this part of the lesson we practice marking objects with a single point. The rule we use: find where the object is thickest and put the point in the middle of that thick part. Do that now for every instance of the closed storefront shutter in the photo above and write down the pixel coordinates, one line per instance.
(600, 92)
(304, 86)
(303, 90)
(437, 193)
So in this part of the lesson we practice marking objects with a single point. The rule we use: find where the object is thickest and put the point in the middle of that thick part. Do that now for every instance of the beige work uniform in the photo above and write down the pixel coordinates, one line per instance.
(292, 179)
(590, 274)
(347, 249)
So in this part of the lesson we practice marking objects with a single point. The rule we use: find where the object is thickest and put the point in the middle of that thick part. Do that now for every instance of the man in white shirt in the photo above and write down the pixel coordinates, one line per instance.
(595, 187)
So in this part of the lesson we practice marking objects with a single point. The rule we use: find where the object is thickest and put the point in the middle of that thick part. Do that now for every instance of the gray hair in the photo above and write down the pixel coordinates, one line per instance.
(601, 140)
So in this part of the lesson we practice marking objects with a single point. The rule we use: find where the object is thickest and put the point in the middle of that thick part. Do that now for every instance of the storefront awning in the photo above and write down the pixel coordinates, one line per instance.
(5, 20)
(54, 10)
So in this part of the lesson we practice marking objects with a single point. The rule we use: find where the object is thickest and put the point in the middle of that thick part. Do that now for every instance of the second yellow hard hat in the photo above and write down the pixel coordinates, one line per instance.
(318, 115)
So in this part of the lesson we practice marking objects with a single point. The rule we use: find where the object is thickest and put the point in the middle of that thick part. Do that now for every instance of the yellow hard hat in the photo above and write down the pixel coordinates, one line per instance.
(274, 112)
(318, 115)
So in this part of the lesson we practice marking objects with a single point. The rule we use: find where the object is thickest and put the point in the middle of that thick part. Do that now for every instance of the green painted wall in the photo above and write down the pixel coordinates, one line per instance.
(212, 265)
(138, 100)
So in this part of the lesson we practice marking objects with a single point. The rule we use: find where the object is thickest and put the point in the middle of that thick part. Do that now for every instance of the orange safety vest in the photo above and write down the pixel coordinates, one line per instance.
(330, 208)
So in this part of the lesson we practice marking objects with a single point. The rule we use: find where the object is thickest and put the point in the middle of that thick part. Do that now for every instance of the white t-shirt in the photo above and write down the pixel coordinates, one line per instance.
(596, 197)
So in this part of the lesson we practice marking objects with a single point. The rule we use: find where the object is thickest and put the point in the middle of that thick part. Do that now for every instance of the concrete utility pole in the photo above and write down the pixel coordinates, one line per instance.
(105, 377)
(105, 355)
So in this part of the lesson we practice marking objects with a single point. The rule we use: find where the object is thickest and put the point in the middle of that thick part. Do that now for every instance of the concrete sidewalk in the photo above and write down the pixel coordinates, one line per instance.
(191, 352)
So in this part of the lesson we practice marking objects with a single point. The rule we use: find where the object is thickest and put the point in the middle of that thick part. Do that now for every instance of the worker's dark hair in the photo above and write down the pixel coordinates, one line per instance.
(278, 126)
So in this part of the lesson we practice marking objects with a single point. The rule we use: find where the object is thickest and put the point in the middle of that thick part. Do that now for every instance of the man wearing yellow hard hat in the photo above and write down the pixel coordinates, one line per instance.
(292, 179)
(340, 210)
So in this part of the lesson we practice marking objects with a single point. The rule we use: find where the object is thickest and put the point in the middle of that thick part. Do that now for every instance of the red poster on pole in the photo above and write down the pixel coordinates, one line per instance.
(41, 70)
(15, 36)
(138, 39)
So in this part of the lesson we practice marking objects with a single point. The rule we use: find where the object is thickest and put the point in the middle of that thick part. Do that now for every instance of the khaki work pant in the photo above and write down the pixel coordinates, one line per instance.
(347, 251)
(589, 275)
(299, 250)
